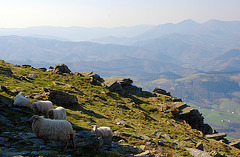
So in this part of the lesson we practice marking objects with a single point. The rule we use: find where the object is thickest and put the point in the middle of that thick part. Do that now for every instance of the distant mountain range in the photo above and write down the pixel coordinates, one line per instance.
(199, 62)
(75, 33)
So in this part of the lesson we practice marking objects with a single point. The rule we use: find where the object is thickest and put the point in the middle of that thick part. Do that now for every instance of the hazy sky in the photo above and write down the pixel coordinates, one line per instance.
(112, 13)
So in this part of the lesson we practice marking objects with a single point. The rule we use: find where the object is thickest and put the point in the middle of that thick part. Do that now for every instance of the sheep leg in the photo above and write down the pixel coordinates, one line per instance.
(74, 146)
(65, 146)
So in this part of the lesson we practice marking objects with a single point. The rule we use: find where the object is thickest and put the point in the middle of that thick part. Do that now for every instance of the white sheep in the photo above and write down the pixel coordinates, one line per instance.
(42, 106)
(102, 131)
(50, 129)
(21, 100)
(57, 113)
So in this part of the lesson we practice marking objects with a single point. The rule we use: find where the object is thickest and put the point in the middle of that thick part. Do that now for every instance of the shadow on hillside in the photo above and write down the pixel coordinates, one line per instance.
(5, 100)
(134, 98)
(114, 96)
(82, 110)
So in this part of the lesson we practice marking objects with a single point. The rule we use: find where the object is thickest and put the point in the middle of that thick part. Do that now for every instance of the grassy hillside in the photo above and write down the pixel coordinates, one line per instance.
(98, 106)
(216, 93)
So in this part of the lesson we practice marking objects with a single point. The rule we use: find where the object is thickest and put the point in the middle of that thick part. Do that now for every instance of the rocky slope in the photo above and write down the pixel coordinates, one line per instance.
(144, 123)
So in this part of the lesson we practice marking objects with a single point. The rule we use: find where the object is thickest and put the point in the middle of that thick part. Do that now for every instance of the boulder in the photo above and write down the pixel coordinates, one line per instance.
(217, 136)
(86, 73)
(192, 116)
(31, 76)
(60, 98)
(87, 140)
(197, 153)
(157, 134)
(161, 91)
(59, 69)
(3, 88)
(167, 136)
(122, 122)
(199, 146)
(235, 143)
(116, 87)
(121, 85)
(6, 72)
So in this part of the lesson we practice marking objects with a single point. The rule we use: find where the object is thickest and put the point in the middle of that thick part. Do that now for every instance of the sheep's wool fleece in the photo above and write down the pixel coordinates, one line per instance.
(59, 113)
(20, 100)
(104, 131)
(49, 129)
(42, 106)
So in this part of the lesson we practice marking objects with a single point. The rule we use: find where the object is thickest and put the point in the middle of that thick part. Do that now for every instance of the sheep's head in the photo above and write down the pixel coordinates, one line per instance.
(34, 118)
(50, 114)
(34, 107)
(94, 128)
(21, 93)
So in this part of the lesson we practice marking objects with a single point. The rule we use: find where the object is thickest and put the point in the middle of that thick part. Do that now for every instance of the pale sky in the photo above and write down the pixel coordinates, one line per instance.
(113, 13)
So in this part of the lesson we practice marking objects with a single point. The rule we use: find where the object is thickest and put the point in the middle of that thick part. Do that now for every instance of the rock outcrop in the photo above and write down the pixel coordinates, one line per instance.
(121, 86)
(161, 91)
(6, 72)
(192, 116)
(60, 98)
(60, 69)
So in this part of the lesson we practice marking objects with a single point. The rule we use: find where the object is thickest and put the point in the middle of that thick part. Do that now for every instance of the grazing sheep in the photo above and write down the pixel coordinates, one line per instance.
(50, 129)
(57, 113)
(42, 106)
(102, 131)
(21, 100)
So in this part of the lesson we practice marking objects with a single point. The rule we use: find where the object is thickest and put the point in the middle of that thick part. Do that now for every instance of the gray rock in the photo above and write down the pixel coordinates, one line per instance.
(146, 153)
(34, 153)
(167, 136)
(86, 72)
(4, 89)
(199, 146)
(23, 153)
(217, 136)
(86, 139)
(14, 92)
(16, 109)
(25, 135)
(6, 72)
(32, 76)
(188, 139)
(60, 98)
(36, 142)
(197, 153)
(121, 122)
(149, 143)
(61, 69)
(216, 154)
(4, 119)
(161, 143)
(235, 143)
(24, 119)
(125, 149)
(161, 91)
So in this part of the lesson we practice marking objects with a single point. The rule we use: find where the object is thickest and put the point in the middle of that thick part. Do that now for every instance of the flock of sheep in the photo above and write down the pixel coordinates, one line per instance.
(55, 127)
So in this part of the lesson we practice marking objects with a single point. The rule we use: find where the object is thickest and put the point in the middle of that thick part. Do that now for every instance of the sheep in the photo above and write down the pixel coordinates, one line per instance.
(21, 100)
(57, 113)
(102, 131)
(50, 129)
(42, 106)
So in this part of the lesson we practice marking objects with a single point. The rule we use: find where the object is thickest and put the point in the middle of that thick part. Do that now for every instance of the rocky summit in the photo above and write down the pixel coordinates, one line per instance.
(143, 123)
